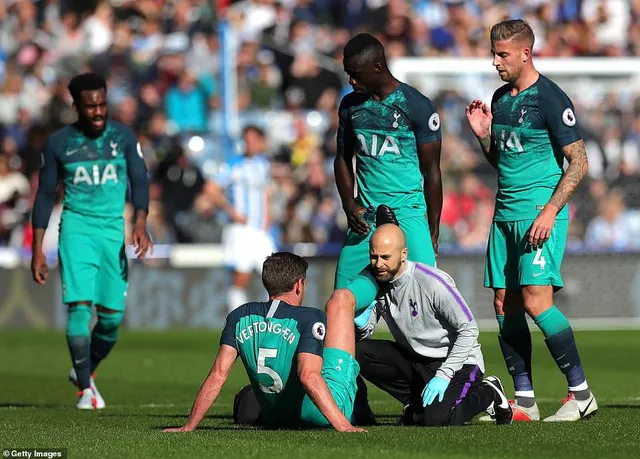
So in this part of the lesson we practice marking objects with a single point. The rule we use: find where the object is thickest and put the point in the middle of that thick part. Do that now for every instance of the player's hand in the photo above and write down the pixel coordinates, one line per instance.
(540, 230)
(434, 388)
(434, 242)
(479, 117)
(39, 268)
(141, 240)
(178, 429)
(354, 218)
(351, 428)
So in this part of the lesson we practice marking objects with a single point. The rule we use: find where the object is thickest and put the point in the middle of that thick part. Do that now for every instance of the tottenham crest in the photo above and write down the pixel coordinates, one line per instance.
(434, 122)
(568, 117)
(396, 116)
(318, 330)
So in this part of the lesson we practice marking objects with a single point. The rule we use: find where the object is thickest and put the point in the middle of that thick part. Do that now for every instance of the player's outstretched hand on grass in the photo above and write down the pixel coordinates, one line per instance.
(354, 218)
(479, 117)
(353, 429)
(39, 268)
(177, 429)
(142, 241)
(540, 230)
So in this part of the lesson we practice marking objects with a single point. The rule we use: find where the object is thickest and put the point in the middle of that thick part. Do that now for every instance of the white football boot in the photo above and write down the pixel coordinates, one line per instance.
(99, 401)
(520, 413)
(574, 410)
(87, 400)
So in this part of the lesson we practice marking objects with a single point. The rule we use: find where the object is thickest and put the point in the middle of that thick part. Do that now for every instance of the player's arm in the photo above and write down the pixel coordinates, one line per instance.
(139, 181)
(310, 375)
(214, 191)
(42, 208)
(268, 198)
(564, 132)
(576, 155)
(429, 155)
(210, 388)
(343, 171)
(426, 124)
(479, 117)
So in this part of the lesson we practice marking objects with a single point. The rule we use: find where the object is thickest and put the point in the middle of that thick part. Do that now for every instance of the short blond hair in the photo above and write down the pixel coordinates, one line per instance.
(513, 29)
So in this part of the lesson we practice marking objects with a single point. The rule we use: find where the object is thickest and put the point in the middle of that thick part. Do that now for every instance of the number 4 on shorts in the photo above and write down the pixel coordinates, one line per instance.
(539, 259)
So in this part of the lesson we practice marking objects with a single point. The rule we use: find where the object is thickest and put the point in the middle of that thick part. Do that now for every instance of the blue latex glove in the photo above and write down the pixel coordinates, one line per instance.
(364, 316)
(436, 387)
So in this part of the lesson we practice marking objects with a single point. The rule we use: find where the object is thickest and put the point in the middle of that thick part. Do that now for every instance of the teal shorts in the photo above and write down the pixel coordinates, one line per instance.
(339, 370)
(93, 263)
(354, 256)
(511, 262)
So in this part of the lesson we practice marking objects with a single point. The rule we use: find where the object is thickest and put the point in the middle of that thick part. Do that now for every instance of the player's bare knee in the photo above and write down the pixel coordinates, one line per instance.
(537, 298)
(341, 300)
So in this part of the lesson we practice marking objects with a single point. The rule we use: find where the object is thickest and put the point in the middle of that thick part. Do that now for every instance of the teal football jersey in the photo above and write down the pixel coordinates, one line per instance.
(529, 131)
(268, 336)
(94, 171)
(384, 135)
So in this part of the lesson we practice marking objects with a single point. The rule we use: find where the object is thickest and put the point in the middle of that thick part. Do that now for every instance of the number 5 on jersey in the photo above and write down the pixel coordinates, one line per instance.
(263, 355)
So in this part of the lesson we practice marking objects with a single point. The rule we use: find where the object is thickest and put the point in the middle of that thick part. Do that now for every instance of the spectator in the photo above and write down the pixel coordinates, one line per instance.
(611, 229)
(14, 188)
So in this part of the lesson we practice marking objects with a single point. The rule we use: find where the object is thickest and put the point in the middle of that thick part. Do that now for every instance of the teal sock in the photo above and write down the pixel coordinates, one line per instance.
(104, 336)
(552, 321)
(500, 319)
(562, 346)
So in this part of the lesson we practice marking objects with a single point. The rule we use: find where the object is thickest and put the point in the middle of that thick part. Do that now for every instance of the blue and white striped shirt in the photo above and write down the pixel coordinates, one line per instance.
(247, 186)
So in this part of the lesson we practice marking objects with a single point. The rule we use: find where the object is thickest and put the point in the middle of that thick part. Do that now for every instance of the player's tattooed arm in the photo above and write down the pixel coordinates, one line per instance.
(429, 155)
(542, 226)
(576, 155)
(210, 389)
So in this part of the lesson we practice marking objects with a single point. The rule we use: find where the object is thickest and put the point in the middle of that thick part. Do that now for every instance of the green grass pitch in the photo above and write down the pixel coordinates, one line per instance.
(151, 378)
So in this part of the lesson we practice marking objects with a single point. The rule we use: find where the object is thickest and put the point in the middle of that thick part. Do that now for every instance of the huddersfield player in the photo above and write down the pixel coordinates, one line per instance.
(526, 135)
(94, 158)
(394, 131)
(298, 377)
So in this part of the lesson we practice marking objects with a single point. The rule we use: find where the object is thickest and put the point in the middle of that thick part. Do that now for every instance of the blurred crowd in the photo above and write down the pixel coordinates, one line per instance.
(162, 61)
